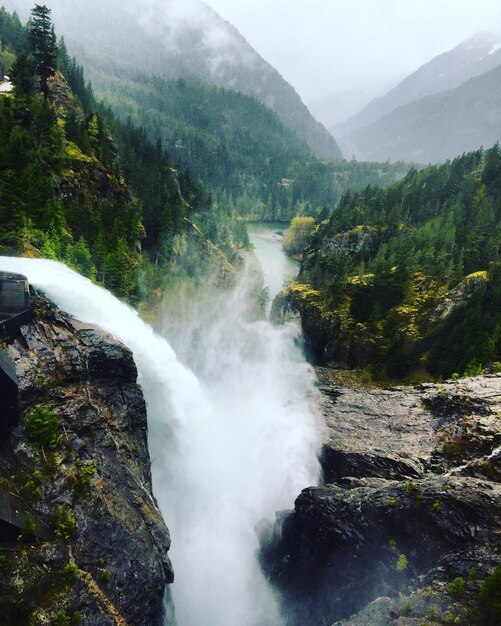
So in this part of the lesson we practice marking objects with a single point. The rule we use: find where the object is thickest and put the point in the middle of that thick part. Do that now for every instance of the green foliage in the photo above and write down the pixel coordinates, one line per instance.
(410, 488)
(12, 31)
(386, 259)
(42, 45)
(34, 484)
(70, 572)
(298, 235)
(84, 188)
(456, 588)
(42, 427)
(437, 507)
(432, 614)
(65, 523)
(490, 597)
(472, 574)
(28, 527)
(237, 146)
(80, 478)
(105, 575)
(406, 608)
(402, 563)
(63, 619)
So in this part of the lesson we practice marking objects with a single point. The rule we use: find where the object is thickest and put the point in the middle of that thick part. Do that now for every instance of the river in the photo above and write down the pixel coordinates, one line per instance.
(276, 266)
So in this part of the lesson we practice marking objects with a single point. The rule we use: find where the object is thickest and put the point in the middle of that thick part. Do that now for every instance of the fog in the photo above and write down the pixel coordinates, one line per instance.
(230, 446)
(321, 47)
(338, 54)
(340, 46)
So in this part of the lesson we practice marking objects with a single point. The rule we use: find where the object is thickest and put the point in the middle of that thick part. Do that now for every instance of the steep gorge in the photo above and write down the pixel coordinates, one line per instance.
(230, 446)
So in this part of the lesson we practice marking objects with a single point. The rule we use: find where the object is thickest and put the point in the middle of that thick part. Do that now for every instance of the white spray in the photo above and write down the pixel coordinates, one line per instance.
(229, 448)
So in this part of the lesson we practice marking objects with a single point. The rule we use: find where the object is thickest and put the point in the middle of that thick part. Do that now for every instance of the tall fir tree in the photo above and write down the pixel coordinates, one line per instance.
(43, 45)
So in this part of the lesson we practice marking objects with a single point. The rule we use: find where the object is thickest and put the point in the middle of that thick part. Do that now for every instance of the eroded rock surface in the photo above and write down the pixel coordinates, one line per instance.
(412, 502)
(107, 556)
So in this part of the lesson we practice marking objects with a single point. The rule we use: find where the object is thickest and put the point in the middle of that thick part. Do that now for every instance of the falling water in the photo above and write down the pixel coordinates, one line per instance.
(230, 445)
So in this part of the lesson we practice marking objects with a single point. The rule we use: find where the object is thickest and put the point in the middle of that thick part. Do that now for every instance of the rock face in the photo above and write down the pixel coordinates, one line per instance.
(412, 502)
(79, 461)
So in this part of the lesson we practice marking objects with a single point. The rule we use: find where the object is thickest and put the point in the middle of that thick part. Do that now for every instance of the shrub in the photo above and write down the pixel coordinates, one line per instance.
(472, 574)
(402, 563)
(66, 523)
(80, 479)
(70, 571)
(34, 484)
(298, 235)
(456, 588)
(105, 575)
(63, 619)
(42, 427)
(490, 597)
(406, 607)
(432, 613)
(437, 507)
(28, 527)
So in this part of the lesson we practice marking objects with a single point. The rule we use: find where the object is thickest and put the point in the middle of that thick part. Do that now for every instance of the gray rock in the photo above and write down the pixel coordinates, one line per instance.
(99, 472)
(412, 500)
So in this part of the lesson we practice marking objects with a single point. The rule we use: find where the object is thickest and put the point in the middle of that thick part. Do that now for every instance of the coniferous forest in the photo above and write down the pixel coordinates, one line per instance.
(111, 188)
(78, 185)
(389, 268)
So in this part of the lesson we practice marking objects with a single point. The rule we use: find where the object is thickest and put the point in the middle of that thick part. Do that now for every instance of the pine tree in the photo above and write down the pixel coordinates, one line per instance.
(43, 46)
(23, 75)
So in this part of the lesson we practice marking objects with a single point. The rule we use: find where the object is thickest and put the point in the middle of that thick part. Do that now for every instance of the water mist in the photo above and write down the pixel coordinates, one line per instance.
(230, 445)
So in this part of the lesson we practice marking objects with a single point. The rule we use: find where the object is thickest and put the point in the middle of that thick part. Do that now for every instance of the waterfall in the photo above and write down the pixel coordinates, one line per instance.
(230, 445)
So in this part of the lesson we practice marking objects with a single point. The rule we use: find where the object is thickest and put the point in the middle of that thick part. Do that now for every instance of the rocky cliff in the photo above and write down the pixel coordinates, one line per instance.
(405, 529)
(91, 546)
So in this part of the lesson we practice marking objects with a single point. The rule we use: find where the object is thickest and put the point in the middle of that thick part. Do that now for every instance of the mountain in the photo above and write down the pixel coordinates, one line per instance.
(178, 38)
(438, 127)
(95, 192)
(471, 58)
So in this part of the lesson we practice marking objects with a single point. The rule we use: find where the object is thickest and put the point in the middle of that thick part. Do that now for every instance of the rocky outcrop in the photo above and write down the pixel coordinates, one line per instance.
(459, 295)
(79, 462)
(407, 525)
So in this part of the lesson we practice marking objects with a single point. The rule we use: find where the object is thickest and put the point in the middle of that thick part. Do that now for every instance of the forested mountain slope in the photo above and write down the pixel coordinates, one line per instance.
(78, 185)
(407, 281)
(178, 38)
(254, 165)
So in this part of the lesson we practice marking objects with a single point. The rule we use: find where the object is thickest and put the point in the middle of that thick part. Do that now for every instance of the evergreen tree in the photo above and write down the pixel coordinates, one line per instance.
(23, 75)
(43, 46)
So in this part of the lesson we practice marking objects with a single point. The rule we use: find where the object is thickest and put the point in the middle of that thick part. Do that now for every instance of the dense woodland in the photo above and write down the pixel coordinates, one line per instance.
(251, 161)
(78, 185)
(410, 276)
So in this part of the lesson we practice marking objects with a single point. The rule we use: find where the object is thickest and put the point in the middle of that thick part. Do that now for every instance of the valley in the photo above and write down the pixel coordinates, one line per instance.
(259, 380)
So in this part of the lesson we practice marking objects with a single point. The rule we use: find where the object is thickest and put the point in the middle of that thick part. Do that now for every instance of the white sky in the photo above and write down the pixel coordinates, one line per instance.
(325, 46)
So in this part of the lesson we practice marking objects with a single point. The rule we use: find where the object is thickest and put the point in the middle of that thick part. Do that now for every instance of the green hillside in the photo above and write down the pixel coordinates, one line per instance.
(78, 185)
(407, 281)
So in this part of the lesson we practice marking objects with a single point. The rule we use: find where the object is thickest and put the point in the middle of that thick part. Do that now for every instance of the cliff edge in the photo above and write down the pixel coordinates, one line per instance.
(81, 536)
(405, 530)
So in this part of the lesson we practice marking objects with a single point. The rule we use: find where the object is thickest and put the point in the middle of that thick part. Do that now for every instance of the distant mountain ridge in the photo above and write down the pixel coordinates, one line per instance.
(471, 58)
(179, 38)
(438, 127)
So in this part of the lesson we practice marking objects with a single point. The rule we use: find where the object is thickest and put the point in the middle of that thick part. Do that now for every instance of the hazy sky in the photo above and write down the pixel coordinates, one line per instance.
(323, 46)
